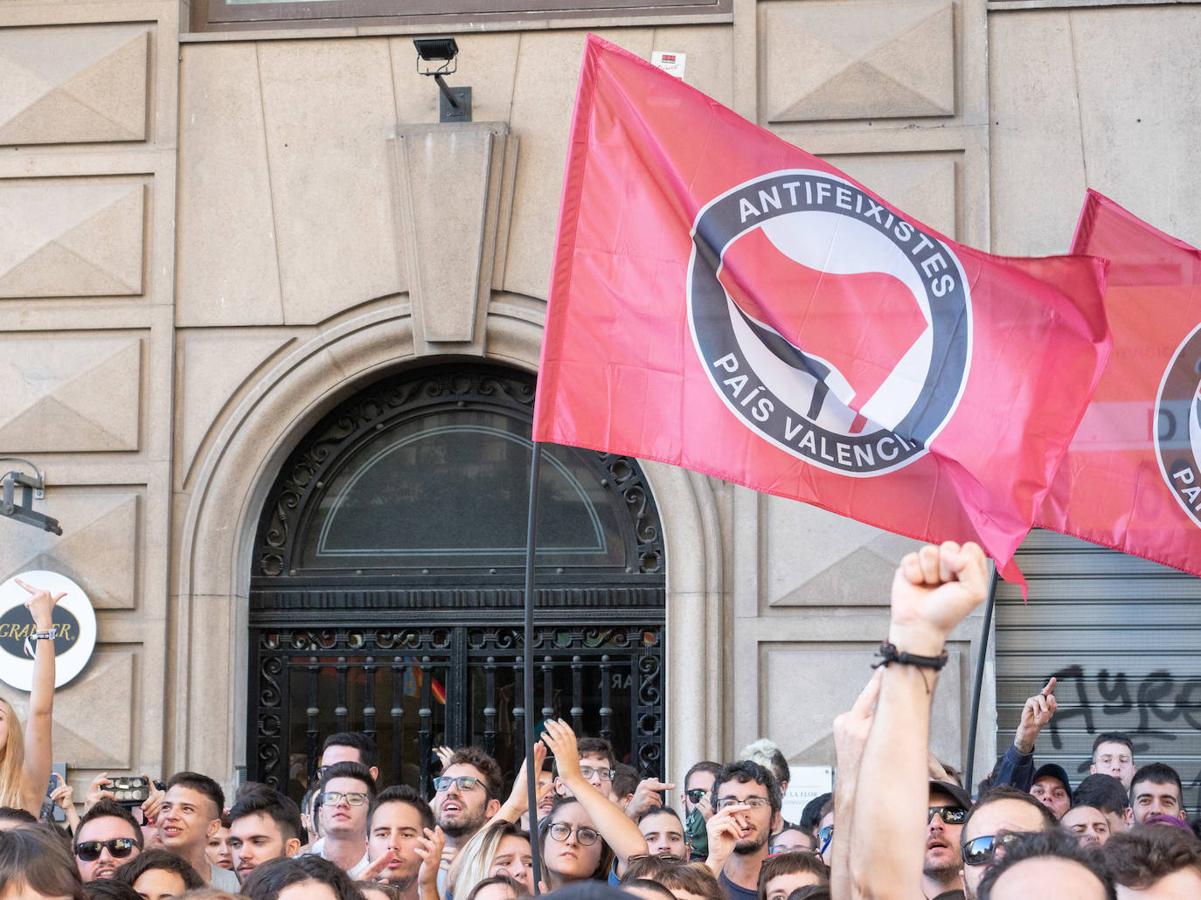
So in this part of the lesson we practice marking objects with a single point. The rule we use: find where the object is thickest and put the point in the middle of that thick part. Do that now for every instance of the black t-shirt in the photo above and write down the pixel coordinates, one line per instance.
(949, 895)
(734, 892)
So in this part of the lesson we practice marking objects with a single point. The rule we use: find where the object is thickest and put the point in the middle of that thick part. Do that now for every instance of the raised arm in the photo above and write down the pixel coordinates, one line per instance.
(63, 797)
(851, 730)
(1016, 765)
(39, 740)
(518, 800)
(932, 592)
(618, 830)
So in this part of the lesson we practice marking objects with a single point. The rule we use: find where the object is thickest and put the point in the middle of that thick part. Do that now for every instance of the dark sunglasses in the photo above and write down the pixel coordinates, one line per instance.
(950, 815)
(118, 848)
(695, 794)
(981, 851)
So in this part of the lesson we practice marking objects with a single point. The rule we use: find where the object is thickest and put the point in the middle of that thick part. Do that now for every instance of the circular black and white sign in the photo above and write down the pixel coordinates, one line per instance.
(74, 626)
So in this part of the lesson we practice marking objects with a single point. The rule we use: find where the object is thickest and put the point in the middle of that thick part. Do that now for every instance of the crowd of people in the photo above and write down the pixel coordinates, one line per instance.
(898, 824)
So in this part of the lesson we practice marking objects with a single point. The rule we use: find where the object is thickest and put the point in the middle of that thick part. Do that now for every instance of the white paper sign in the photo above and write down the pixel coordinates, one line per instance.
(671, 63)
(806, 783)
(74, 626)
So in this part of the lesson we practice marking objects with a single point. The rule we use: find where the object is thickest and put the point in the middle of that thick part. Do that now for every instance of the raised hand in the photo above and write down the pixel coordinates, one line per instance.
(1038, 711)
(562, 743)
(852, 727)
(41, 605)
(375, 870)
(932, 592)
(62, 796)
(724, 829)
(519, 796)
(153, 802)
(647, 796)
(96, 790)
(429, 847)
(444, 755)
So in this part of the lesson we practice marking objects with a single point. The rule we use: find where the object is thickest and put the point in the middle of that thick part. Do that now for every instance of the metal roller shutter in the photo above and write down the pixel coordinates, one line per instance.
(1124, 637)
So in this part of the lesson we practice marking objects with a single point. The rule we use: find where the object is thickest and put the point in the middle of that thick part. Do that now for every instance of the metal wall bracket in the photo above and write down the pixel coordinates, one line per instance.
(21, 509)
(460, 110)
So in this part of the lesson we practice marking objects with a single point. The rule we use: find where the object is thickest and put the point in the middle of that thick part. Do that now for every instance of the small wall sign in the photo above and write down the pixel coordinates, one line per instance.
(74, 629)
(669, 62)
(806, 783)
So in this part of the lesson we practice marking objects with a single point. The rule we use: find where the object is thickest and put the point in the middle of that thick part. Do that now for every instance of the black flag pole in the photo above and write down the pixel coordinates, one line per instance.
(527, 661)
(981, 655)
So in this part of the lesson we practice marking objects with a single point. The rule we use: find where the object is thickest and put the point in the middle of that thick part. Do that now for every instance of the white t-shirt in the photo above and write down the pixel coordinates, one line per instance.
(317, 848)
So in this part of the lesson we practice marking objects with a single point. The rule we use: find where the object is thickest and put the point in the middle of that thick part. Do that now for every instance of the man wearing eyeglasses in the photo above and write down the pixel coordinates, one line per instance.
(746, 799)
(999, 814)
(598, 765)
(945, 815)
(107, 837)
(467, 795)
(347, 792)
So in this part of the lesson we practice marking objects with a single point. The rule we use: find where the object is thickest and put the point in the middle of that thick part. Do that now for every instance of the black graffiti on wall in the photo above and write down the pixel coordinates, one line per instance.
(1157, 699)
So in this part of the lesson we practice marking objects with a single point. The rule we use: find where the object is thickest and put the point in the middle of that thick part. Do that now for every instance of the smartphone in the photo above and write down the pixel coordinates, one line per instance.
(129, 790)
(51, 812)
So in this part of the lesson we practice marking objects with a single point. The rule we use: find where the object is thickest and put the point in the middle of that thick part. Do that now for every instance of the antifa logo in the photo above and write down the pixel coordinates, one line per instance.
(832, 327)
(16, 626)
(1178, 425)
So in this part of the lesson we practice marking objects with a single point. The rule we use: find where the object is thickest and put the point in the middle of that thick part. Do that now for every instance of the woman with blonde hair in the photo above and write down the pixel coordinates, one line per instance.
(26, 753)
(501, 848)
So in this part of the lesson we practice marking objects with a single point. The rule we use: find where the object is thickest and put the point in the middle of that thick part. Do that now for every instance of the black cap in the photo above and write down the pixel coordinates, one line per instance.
(1054, 771)
(953, 790)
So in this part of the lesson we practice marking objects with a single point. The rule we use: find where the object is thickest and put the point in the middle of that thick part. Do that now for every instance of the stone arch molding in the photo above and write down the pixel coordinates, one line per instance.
(239, 461)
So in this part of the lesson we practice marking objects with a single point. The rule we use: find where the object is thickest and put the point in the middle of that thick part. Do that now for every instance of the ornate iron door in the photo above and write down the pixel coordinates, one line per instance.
(387, 591)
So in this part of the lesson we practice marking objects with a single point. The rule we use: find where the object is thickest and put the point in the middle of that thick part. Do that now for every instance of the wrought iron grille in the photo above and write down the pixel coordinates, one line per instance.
(421, 650)
(413, 689)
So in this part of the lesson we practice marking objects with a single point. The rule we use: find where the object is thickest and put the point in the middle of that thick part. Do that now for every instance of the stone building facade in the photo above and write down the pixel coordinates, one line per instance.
(210, 237)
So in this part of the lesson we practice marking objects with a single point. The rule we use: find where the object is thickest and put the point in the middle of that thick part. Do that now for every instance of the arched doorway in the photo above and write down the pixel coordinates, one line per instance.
(386, 592)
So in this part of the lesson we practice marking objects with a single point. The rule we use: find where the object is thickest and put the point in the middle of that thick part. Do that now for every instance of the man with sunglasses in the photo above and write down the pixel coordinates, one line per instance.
(996, 818)
(347, 793)
(1048, 864)
(948, 809)
(698, 786)
(107, 837)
